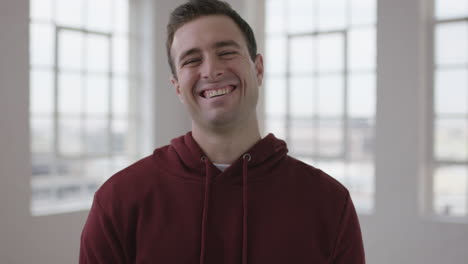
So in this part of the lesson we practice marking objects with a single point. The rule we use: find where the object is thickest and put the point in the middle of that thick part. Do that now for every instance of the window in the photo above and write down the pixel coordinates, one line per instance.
(450, 126)
(82, 96)
(320, 86)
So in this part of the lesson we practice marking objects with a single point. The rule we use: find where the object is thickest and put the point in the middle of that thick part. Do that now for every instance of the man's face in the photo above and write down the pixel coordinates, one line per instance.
(215, 77)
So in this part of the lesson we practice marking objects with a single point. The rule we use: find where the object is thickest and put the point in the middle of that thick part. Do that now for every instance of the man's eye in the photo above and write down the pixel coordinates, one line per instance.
(227, 53)
(191, 61)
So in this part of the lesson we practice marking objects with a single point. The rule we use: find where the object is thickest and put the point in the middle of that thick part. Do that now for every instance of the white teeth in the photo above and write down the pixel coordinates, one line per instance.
(213, 93)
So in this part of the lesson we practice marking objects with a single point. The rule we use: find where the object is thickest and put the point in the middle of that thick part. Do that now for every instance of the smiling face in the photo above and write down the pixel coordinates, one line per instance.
(215, 77)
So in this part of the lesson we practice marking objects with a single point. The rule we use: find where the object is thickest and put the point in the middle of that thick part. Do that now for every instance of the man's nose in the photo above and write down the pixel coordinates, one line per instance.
(212, 69)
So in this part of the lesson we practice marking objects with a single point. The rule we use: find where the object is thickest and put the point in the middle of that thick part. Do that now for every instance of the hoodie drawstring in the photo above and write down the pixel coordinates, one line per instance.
(246, 158)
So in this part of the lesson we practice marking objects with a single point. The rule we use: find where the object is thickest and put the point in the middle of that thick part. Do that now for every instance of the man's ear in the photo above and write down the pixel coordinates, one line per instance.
(259, 70)
(176, 85)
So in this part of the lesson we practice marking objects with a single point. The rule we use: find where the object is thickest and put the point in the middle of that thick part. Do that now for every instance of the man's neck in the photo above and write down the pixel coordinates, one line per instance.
(227, 146)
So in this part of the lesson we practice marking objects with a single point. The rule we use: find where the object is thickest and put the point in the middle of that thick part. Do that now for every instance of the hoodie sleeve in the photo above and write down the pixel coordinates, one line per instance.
(349, 248)
(99, 239)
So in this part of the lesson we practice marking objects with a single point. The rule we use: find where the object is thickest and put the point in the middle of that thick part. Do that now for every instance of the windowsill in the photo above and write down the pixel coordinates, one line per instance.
(60, 207)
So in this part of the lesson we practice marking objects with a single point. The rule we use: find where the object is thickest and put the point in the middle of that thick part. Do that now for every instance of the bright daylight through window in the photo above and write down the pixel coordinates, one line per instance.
(450, 151)
(81, 96)
(320, 86)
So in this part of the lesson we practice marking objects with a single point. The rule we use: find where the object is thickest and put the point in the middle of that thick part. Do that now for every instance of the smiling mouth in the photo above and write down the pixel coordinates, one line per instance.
(217, 92)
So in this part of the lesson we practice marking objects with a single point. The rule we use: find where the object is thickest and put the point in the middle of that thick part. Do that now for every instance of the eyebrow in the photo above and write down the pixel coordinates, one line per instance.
(217, 45)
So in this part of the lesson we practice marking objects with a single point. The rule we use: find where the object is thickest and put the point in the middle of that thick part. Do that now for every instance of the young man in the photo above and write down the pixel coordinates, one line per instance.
(221, 193)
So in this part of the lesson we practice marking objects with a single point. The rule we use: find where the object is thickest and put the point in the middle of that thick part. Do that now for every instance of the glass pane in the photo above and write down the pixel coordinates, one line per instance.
(361, 95)
(120, 58)
(69, 13)
(97, 51)
(450, 191)
(334, 168)
(121, 21)
(97, 94)
(70, 93)
(99, 168)
(360, 183)
(97, 136)
(302, 55)
(451, 8)
(303, 97)
(274, 16)
(70, 49)
(275, 59)
(363, 12)
(451, 139)
(332, 14)
(99, 15)
(70, 143)
(42, 164)
(451, 92)
(41, 92)
(331, 54)
(330, 138)
(276, 125)
(41, 9)
(361, 49)
(361, 139)
(120, 162)
(302, 136)
(275, 96)
(301, 16)
(121, 97)
(42, 45)
(451, 43)
(330, 96)
(119, 136)
(42, 135)
(73, 169)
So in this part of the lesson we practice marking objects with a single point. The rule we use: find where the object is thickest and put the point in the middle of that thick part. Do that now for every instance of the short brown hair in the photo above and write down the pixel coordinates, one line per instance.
(197, 8)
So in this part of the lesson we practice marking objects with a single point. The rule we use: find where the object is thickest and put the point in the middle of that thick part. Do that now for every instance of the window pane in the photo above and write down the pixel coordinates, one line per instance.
(302, 136)
(97, 94)
(303, 99)
(42, 44)
(361, 139)
(450, 191)
(361, 49)
(332, 14)
(69, 13)
(42, 135)
(275, 59)
(276, 125)
(41, 92)
(363, 12)
(121, 21)
(275, 94)
(70, 93)
(302, 51)
(451, 43)
(300, 16)
(451, 139)
(97, 53)
(330, 96)
(275, 20)
(361, 95)
(70, 140)
(120, 57)
(120, 94)
(41, 9)
(451, 8)
(330, 50)
(330, 138)
(41, 164)
(99, 168)
(334, 168)
(119, 136)
(99, 15)
(97, 136)
(360, 182)
(70, 50)
(451, 95)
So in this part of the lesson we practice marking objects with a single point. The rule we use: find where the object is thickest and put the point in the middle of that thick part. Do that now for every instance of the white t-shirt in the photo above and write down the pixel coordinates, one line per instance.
(221, 167)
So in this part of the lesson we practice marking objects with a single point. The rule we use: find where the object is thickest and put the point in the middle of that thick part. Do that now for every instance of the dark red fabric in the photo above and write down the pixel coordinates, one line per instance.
(152, 211)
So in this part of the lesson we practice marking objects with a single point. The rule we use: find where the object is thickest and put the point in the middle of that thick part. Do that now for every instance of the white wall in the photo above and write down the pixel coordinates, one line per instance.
(396, 233)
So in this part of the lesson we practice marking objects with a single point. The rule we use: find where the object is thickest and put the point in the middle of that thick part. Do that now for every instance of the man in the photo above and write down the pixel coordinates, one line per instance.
(221, 193)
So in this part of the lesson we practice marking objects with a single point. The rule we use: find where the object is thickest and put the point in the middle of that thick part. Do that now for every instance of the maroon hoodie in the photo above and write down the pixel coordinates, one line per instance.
(176, 207)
